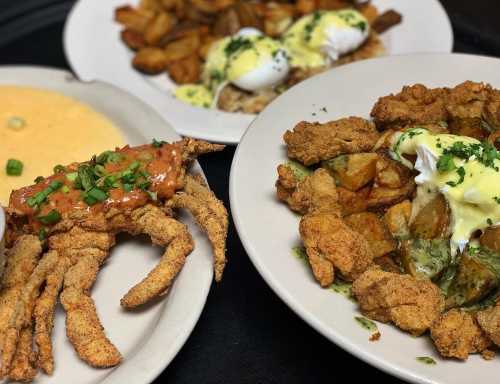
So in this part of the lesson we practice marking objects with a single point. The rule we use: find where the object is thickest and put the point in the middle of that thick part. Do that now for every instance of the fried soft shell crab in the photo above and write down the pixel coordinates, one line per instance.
(61, 230)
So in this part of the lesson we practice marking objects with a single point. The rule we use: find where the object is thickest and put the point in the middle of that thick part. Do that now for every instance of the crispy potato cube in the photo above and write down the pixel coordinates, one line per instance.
(158, 28)
(369, 11)
(491, 239)
(186, 70)
(390, 173)
(383, 196)
(333, 4)
(205, 6)
(227, 23)
(352, 171)
(150, 60)
(182, 48)
(431, 221)
(132, 18)
(373, 229)
(304, 7)
(133, 39)
(247, 15)
(152, 5)
(397, 219)
(169, 5)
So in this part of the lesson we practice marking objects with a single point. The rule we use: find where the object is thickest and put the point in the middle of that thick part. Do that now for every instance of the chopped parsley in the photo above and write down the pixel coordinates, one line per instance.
(311, 26)
(445, 163)
(409, 134)
(237, 44)
(461, 174)
(426, 360)
(497, 199)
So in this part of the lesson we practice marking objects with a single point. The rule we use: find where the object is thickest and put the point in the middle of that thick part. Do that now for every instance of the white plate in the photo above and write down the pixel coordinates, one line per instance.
(268, 229)
(149, 338)
(94, 50)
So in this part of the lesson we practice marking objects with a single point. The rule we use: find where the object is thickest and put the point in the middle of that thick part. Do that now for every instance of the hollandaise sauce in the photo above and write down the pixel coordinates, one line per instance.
(40, 129)
(465, 170)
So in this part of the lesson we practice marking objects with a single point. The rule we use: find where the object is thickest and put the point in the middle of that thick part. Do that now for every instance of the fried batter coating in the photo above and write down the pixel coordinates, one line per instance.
(311, 143)
(410, 304)
(169, 233)
(330, 243)
(489, 321)
(414, 104)
(233, 99)
(457, 334)
(373, 229)
(24, 362)
(317, 192)
(44, 315)
(466, 100)
(210, 214)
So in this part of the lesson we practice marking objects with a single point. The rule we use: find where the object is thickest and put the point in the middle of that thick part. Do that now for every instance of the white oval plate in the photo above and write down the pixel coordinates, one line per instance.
(94, 50)
(151, 337)
(268, 229)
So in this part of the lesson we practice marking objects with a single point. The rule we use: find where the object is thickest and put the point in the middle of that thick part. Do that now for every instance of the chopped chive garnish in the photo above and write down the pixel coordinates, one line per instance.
(71, 176)
(39, 179)
(42, 234)
(158, 144)
(97, 194)
(40, 197)
(65, 189)
(14, 167)
(50, 218)
(59, 169)
(128, 187)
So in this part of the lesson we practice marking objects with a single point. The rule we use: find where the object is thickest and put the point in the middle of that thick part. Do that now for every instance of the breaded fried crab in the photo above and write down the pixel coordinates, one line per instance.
(62, 229)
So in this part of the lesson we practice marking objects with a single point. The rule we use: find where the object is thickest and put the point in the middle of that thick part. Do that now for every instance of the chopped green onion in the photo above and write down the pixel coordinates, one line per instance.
(99, 170)
(144, 186)
(89, 200)
(134, 166)
(14, 167)
(42, 235)
(152, 195)
(97, 194)
(65, 189)
(51, 218)
(40, 197)
(158, 144)
(39, 179)
(128, 187)
(16, 123)
(71, 176)
(59, 169)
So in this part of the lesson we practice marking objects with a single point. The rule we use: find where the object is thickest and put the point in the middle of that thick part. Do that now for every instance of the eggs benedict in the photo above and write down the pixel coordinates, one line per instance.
(464, 170)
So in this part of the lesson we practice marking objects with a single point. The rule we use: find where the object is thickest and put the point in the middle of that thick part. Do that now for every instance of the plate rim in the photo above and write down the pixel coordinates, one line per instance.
(282, 292)
(152, 343)
(218, 117)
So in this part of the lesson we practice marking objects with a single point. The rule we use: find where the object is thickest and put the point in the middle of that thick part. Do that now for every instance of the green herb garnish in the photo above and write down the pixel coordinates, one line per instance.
(445, 163)
(52, 217)
(40, 197)
(426, 360)
(14, 167)
(59, 169)
(461, 174)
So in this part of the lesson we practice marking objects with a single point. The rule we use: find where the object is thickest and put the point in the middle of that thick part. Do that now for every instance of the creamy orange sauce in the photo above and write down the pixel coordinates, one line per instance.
(162, 167)
(42, 128)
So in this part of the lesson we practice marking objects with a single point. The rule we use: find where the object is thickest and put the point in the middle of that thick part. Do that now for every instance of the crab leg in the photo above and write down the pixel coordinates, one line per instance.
(20, 323)
(86, 251)
(169, 233)
(44, 315)
(210, 214)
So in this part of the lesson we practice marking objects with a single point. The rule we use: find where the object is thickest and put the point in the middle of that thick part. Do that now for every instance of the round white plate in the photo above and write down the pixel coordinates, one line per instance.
(268, 229)
(148, 338)
(94, 50)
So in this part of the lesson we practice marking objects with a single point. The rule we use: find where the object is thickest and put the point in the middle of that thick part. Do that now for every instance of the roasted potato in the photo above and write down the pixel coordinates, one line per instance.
(383, 196)
(432, 220)
(133, 39)
(228, 23)
(353, 202)
(333, 4)
(425, 258)
(390, 173)
(186, 70)
(182, 48)
(150, 60)
(303, 7)
(373, 229)
(206, 44)
(474, 280)
(491, 239)
(151, 5)
(247, 15)
(169, 5)
(135, 19)
(352, 171)
(161, 25)
(277, 18)
(397, 220)
(369, 11)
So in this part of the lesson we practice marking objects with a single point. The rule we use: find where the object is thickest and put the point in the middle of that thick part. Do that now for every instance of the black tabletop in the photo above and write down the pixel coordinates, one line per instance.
(246, 334)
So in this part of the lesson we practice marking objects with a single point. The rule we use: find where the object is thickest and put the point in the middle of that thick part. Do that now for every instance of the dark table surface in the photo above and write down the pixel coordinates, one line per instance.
(246, 334)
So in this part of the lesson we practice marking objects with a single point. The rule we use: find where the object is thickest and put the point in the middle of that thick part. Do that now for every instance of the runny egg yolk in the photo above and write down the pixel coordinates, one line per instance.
(464, 170)
(316, 39)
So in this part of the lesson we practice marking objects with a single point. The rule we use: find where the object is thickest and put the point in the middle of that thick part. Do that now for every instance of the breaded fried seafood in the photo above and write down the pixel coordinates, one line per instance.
(406, 207)
(61, 231)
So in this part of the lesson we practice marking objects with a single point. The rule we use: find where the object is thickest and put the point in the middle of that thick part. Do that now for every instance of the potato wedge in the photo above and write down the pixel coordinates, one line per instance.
(133, 39)
(390, 173)
(151, 5)
(160, 26)
(184, 71)
(228, 23)
(491, 239)
(132, 18)
(150, 60)
(397, 220)
(247, 15)
(432, 220)
(182, 48)
(206, 44)
(373, 229)
(425, 259)
(352, 171)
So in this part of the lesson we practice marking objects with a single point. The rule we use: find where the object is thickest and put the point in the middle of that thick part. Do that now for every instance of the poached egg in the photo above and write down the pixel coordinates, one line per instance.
(464, 170)
(249, 60)
(322, 37)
